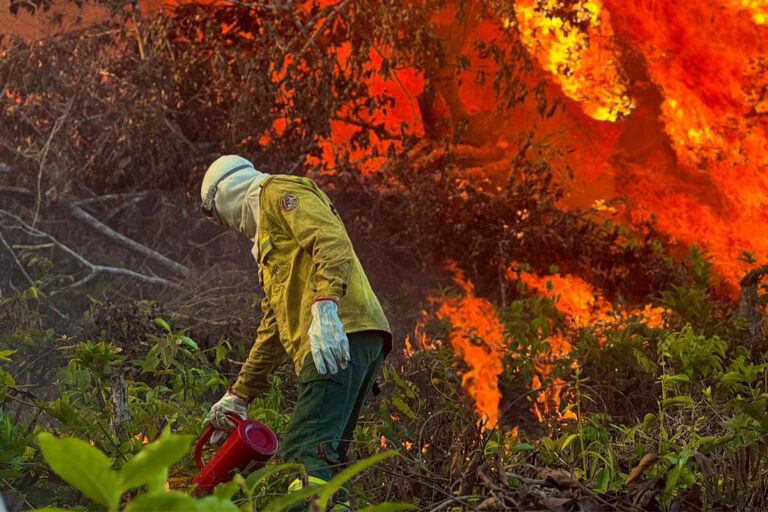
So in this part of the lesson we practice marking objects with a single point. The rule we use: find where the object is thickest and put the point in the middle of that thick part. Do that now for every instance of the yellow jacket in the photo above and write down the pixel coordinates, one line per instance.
(304, 254)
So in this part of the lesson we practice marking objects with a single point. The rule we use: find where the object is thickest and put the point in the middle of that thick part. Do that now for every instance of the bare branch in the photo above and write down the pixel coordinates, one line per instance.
(109, 197)
(93, 268)
(95, 223)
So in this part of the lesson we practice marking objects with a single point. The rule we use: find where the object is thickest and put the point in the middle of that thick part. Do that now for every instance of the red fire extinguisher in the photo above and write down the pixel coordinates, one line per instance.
(250, 445)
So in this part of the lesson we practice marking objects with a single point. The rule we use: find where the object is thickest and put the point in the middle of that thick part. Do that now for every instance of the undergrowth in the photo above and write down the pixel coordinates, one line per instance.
(662, 418)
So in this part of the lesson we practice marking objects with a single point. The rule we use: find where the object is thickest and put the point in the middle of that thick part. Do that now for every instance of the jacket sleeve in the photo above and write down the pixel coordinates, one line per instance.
(266, 354)
(309, 217)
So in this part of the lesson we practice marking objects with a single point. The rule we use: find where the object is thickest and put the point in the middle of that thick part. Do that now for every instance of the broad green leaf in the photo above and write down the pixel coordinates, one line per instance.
(83, 467)
(677, 401)
(650, 421)
(155, 457)
(156, 482)
(5, 355)
(403, 407)
(732, 378)
(226, 490)
(216, 504)
(164, 501)
(388, 506)
(162, 323)
(327, 490)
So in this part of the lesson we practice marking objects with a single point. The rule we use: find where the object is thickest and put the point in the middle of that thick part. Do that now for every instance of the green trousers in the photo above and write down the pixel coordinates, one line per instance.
(323, 421)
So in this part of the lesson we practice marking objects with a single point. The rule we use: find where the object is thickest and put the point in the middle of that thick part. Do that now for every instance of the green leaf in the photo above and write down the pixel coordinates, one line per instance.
(603, 480)
(189, 341)
(564, 442)
(162, 323)
(226, 490)
(83, 467)
(671, 483)
(523, 447)
(732, 378)
(157, 481)
(5, 355)
(221, 353)
(262, 474)
(215, 504)
(155, 457)
(650, 421)
(283, 502)
(403, 407)
(163, 501)
(397, 378)
(677, 401)
(388, 506)
(674, 379)
(328, 490)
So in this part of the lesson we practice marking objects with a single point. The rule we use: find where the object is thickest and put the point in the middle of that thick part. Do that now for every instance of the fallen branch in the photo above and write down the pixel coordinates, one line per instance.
(94, 269)
(95, 223)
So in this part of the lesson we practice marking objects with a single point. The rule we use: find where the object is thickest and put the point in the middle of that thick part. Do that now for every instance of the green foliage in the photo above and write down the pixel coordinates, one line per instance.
(90, 471)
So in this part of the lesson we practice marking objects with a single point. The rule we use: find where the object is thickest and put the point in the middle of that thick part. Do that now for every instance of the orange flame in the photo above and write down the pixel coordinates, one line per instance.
(478, 338)
(582, 307)
(579, 52)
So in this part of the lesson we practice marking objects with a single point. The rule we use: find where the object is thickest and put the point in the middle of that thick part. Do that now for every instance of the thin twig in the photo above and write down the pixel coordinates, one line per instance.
(16, 260)
(56, 127)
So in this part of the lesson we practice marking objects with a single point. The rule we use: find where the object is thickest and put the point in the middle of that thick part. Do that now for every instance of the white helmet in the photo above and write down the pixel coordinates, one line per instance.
(225, 186)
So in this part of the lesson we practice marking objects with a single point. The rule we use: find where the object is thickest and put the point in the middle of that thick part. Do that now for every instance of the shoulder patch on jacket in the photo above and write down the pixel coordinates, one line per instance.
(289, 202)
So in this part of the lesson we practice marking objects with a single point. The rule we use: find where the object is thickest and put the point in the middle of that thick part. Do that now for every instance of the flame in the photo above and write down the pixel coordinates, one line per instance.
(758, 9)
(478, 338)
(666, 104)
(582, 307)
(574, 42)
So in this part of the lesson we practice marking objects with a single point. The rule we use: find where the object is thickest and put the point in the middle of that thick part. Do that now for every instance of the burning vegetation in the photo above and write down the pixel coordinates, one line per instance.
(562, 204)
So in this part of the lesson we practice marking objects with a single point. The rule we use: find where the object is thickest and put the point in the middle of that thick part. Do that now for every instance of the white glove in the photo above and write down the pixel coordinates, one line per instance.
(230, 403)
(327, 339)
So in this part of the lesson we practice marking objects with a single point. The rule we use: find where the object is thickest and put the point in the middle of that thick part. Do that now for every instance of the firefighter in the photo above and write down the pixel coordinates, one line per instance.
(318, 310)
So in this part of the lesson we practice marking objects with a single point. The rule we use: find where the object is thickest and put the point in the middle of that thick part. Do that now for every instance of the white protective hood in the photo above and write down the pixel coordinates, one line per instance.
(237, 196)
